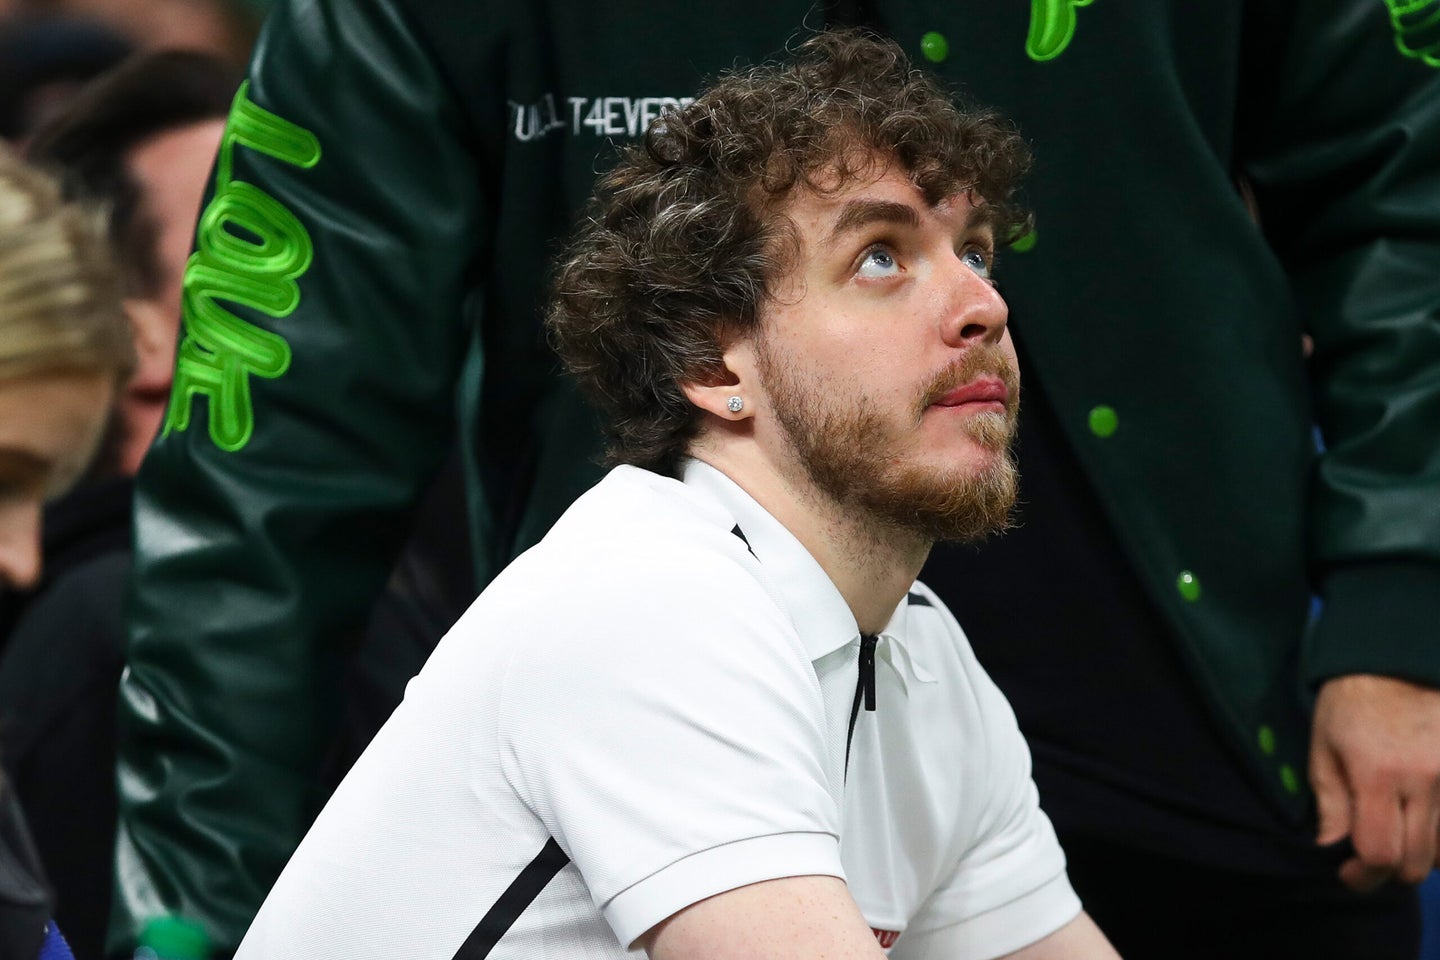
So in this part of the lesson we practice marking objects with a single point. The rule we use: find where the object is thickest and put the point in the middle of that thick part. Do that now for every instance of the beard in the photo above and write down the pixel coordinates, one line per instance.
(847, 452)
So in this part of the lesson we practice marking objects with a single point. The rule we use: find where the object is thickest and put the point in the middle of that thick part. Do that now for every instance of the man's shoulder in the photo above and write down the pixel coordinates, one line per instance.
(637, 524)
(935, 632)
(629, 503)
(634, 595)
(928, 613)
(638, 552)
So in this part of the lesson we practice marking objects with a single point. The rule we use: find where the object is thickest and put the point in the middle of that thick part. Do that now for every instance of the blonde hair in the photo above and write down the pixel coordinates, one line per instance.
(60, 295)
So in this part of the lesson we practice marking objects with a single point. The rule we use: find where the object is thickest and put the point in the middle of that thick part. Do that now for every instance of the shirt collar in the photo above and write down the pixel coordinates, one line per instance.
(820, 614)
(901, 652)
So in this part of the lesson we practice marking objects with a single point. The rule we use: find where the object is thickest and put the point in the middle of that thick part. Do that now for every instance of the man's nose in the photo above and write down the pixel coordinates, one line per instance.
(977, 313)
(20, 545)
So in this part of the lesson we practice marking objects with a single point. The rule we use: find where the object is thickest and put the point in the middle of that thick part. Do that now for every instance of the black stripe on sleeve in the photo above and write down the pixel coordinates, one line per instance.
(513, 902)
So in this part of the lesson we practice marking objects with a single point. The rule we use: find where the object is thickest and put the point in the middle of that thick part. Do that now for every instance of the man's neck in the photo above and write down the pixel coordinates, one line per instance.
(871, 563)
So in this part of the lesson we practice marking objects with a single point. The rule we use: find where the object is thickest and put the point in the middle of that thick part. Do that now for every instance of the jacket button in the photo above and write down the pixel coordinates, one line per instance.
(935, 47)
(1266, 738)
(1188, 586)
(1104, 421)
(1289, 779)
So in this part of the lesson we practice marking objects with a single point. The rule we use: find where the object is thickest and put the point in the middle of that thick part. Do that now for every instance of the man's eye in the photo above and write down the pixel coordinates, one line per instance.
(978, 261)
(876, 263)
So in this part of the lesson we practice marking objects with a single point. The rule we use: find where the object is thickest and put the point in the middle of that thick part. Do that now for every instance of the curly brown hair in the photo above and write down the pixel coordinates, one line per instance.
(686, 236)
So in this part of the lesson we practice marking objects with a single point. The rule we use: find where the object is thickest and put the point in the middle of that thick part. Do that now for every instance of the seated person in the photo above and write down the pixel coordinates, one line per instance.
(712, 714)
(136, 143)
(65, 352)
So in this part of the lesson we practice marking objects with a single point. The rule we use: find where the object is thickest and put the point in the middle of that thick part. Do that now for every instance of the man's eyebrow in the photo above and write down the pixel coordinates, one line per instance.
(861, 213)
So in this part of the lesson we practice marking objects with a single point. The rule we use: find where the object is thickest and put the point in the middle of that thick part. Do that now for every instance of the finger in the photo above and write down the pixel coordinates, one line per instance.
(1378, 831)
(1362, 878)
(1332, 798)
(1421, 815)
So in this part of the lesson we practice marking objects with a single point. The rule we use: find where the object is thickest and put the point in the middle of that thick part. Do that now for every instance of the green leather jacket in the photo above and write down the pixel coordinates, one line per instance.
(392, 184)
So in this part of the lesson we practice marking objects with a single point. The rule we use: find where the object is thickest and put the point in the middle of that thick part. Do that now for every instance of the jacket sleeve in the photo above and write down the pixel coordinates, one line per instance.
(1344, 119)
(323, 333)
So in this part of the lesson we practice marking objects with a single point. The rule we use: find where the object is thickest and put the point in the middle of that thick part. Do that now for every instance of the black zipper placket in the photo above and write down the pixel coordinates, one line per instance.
(864, 688)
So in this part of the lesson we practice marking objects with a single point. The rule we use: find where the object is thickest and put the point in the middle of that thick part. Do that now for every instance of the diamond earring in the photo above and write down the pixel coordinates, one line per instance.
(735, 404)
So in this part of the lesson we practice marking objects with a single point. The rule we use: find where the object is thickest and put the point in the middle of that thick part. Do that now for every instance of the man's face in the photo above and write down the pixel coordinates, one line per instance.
(171, 169)
(886, 360)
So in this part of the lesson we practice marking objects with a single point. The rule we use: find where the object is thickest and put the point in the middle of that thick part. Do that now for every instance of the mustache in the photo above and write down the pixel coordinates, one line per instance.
(976, 362)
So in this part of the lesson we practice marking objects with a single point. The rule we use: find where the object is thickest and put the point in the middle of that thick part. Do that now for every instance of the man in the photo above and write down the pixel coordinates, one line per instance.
(137, 144)
(712, 714)
(1151, 615)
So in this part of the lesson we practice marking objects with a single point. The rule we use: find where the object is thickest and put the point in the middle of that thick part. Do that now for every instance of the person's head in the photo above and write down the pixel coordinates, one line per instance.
(44, 61)
(814, 238)
(140, 142)
(64, 349)
(223, 28)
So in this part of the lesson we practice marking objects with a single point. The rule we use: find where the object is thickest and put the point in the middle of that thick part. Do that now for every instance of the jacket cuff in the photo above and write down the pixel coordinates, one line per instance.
(1380, 618)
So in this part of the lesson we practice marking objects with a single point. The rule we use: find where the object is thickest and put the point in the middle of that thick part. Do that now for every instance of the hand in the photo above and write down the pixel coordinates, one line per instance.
(1375, 767)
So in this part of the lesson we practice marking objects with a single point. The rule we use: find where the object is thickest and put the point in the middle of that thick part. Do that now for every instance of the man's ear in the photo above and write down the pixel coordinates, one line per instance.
(733, 391)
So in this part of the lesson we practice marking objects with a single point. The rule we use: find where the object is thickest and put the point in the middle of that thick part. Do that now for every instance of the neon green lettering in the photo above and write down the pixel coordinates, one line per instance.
(250, 252)
(217, 330)
(1417, 29)
(283, 251)
(1052, 25)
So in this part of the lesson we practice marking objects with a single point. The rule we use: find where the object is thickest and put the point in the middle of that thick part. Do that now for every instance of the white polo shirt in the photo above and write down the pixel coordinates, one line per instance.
(653, 706)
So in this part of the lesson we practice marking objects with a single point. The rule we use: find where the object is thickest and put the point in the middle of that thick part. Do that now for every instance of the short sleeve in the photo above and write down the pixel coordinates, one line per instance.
(675, 751)
(1009, 888)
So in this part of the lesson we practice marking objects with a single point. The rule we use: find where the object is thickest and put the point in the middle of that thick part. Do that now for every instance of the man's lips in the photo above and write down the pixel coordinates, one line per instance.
(987, 389)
